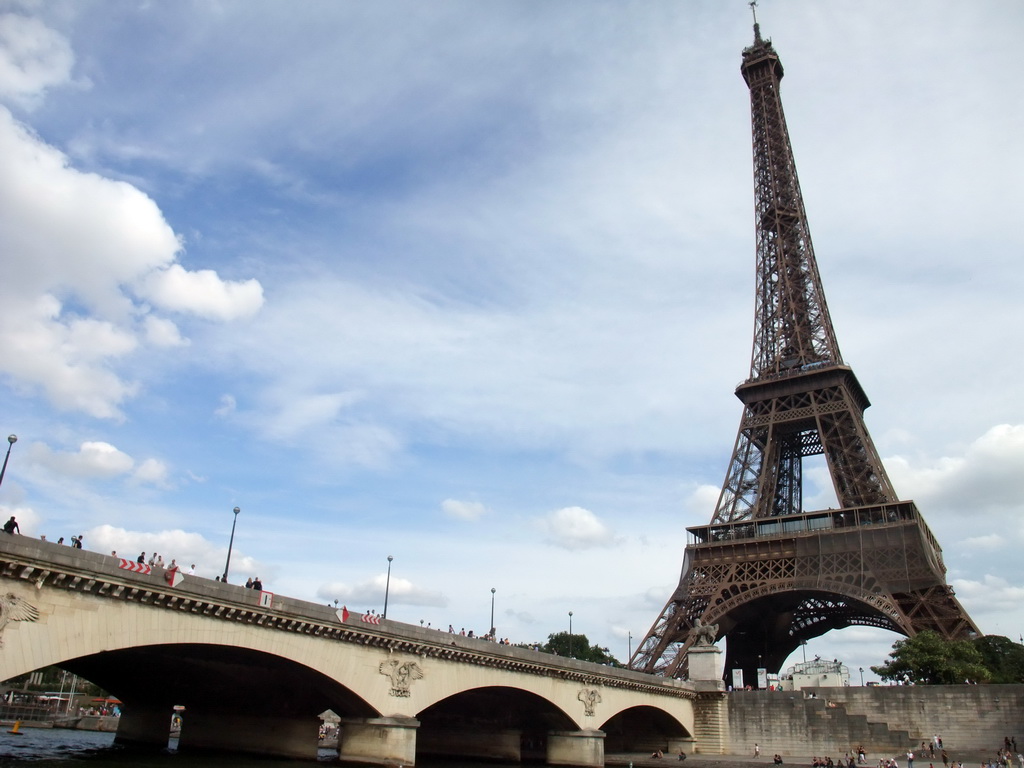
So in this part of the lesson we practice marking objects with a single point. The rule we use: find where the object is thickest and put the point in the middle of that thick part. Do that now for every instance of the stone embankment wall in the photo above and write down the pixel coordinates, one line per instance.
(972, 721)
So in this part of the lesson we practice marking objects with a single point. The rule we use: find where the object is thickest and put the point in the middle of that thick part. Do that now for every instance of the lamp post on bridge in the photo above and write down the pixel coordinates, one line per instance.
(570, 635)
(629, 650)
(231, 543)
(387, 586)
(494, 632)
(11, 440)
(862, 677)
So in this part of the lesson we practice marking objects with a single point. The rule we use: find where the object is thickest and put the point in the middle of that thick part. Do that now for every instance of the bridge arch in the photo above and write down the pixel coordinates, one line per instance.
(490, 722)
(645, 729)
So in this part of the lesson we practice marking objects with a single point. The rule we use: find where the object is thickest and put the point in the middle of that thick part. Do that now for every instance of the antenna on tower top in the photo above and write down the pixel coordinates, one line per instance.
(757, 27)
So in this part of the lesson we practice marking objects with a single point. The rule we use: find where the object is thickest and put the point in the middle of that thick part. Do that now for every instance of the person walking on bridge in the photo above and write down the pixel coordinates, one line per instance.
(11, 526)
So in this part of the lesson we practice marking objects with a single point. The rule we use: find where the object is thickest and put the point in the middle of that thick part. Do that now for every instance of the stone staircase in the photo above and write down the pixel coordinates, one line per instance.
(789, 724)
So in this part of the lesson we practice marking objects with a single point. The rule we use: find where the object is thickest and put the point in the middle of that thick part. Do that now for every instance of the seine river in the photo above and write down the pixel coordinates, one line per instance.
(57, 747)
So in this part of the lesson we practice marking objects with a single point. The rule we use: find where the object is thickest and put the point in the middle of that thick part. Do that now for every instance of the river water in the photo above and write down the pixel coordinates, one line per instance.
(60, 748)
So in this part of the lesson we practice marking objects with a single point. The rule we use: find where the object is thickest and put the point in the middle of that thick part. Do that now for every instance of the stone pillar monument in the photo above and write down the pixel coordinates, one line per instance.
(710, 713)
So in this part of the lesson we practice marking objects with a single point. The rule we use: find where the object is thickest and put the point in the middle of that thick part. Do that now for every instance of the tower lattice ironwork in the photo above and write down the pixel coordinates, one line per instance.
(767, 573)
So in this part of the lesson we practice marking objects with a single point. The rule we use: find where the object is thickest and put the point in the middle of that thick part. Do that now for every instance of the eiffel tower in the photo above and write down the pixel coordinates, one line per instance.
(769, 574)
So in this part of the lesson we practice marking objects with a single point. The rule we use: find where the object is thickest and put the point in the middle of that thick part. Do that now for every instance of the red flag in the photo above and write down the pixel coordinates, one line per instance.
(343, 614)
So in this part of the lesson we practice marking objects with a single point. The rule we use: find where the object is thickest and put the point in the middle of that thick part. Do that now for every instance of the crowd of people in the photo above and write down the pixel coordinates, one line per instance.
(1006, 756)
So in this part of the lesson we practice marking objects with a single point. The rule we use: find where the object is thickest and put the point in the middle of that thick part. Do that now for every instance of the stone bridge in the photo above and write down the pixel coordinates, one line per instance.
(254, 670)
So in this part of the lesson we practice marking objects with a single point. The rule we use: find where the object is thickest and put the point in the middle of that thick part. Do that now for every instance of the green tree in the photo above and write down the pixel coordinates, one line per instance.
(578, 647)
(1003, 658)
(928, 659)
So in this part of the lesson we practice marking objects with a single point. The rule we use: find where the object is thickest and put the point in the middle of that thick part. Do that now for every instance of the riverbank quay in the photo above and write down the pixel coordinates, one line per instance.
(9, 724)
(698, 760)
(104, 723)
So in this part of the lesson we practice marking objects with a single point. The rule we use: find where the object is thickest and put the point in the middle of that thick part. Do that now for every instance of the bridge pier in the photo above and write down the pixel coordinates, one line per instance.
(378, 740)
(584, 748)
(278, 735)
(144, 726)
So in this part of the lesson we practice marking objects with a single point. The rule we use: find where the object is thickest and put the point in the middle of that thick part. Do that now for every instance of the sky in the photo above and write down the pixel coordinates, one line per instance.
(470, 285)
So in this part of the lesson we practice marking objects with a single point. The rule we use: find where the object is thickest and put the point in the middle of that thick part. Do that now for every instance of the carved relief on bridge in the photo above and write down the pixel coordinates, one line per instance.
(401, 674)
(13, 608)
(590, 697)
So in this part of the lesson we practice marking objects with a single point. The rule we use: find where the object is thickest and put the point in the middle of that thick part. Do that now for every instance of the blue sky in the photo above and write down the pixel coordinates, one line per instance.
(470, 284)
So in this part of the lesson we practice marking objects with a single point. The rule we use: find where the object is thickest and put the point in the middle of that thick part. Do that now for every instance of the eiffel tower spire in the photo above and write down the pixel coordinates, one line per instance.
(768, 573)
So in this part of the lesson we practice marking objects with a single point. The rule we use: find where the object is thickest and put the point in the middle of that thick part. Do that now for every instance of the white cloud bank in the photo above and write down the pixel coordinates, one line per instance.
(89, 260)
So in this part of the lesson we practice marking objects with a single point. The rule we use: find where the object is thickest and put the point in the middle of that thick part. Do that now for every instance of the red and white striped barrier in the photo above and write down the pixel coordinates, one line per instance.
(370, 618)
(131, 565)
(174, 577)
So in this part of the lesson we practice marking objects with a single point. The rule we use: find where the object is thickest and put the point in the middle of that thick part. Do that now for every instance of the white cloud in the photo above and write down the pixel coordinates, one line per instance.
(703, 500)
(300, 412)
(98, 460)
(74, 242)
(33, 57)
(988, 542)
(577, 528)
(991, 598)
(986, 475)
(372, 592)
(93, 459)
(152, 472)
(464, 510)
(202, 293)
(161, 332)
(67, 358)
(228, 405)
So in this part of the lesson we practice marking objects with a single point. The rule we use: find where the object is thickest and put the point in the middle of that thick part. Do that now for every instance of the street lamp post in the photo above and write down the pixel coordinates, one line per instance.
(231, 543)
(387, 587)
(629, 650)
(570, 634)
(803, 647)
(494, 632)
(11, 440)
(862, 677)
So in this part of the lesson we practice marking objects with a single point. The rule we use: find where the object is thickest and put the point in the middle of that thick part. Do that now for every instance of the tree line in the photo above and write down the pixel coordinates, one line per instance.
(929, 659)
